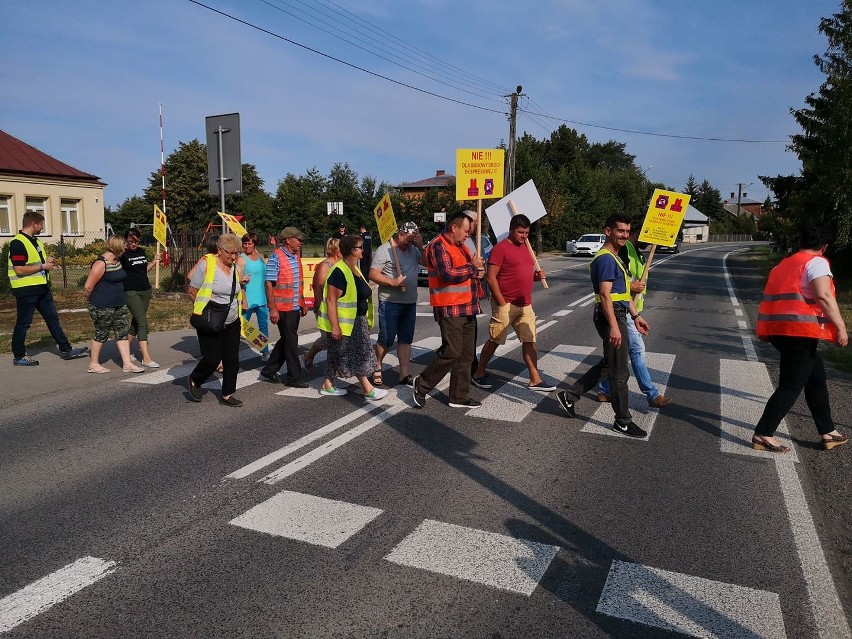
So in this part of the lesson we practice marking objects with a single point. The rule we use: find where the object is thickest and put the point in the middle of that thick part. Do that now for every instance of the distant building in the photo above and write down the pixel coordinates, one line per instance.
(416, 190)
(747, 205)
(71, 200)
(696, 226)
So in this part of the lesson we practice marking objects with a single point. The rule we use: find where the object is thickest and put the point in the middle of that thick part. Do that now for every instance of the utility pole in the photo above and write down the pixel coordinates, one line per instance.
(510, 155)
(739, 198)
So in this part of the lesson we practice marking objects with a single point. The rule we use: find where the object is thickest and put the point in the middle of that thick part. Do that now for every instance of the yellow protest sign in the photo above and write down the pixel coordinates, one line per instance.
(253, 334)
(159, 225)
(664, 217)
(385, 220)
(233, 224)
(309, 265)
(479, 173)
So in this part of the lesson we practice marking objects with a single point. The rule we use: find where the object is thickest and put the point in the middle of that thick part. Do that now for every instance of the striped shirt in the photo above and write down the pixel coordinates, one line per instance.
(272, 273)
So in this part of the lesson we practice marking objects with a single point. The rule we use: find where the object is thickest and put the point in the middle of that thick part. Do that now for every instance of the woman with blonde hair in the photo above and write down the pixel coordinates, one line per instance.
(332, 255)
(104, 291)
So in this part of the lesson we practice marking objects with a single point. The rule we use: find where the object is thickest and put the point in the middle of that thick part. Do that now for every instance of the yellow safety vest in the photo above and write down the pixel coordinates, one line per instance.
(347, 304)
(615, 297)
(34, 256)
(635, 267)
(206, 291)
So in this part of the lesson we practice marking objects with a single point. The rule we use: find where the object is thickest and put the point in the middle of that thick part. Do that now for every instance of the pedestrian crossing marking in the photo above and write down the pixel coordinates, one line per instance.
(690, 605)
(314, 520)
(660, 367)
(488, 558)
(513, 401)
(745, 388)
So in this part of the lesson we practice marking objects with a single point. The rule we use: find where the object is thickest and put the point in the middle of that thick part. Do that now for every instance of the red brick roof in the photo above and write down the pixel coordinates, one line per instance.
(19, 158)
(436, 181)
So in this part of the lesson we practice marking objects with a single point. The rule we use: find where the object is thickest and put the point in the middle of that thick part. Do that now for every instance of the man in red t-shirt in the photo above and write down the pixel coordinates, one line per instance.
(511, 273)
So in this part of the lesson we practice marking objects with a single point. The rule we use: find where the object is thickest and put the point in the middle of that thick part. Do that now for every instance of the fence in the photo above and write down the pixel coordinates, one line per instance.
(731, 237)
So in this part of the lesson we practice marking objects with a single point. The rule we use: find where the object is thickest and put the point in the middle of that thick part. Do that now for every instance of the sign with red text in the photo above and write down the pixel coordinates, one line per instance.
(479, 173)
(664, 217)
(233, 224)
(309, 265)
(385, 220)
(159, 225)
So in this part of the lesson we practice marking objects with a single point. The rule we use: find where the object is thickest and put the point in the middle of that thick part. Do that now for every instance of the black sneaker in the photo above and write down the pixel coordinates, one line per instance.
(630, 429)
(194, 392)
(74, 353)
(296, 383)
(232, 401)
(469, 403)
(481, 382)
(565, 403)
(419, 398)
(272, 378)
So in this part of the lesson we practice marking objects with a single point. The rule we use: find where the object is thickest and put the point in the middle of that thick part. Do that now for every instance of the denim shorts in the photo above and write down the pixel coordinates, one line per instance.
(396, 321)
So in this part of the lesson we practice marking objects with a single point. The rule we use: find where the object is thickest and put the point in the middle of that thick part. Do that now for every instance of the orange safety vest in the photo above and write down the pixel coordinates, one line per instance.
(784, 310)
(441, 292)
(285, 284)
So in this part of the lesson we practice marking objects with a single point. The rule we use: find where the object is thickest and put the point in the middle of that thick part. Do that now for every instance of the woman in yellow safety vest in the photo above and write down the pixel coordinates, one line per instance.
(346, 313)
(798, 308)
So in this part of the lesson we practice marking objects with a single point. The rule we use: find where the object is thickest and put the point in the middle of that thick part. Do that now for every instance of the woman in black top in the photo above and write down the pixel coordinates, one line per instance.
(137, 292)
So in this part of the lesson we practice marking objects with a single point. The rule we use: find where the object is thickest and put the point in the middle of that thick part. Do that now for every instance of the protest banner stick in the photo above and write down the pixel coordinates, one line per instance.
(396, 259)
(529, 247)
(479, 228)
(650, 259)
(157, 268)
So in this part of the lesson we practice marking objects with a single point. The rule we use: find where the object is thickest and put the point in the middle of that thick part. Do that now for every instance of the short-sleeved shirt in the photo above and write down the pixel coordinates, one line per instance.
(606, 269)
(517, 269)
(817, 267)
(272, 273)
(135, 264)
(337, 279)
(222, 284)
(409, 262)
(18, 255)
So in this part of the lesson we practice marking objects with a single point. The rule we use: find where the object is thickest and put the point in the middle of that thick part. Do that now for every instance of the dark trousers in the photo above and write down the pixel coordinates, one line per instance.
(27, 306)
(287, 347)
(458, 343)
(614, 366)
(801, 368)
(223, 348)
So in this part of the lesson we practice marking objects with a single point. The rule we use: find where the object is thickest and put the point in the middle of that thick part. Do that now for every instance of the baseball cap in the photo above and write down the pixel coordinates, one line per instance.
(471, 214)
(292, 231)
(408, 227)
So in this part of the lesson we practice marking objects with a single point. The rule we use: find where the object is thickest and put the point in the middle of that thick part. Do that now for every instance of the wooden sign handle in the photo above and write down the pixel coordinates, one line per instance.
(529, 246)
(648, 263)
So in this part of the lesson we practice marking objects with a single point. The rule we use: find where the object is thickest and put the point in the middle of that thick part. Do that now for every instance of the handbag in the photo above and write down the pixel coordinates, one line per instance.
(211, 321)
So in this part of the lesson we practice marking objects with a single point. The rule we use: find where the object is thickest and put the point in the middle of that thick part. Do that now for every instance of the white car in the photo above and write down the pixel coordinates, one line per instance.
(587, 244)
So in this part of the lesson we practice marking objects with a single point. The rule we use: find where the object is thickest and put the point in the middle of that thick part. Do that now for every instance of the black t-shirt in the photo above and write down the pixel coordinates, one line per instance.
(135, 264)
(338, 280)
(18, 255)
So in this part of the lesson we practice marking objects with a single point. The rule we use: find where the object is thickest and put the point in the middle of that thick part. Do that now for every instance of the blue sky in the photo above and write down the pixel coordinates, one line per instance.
(83, 81)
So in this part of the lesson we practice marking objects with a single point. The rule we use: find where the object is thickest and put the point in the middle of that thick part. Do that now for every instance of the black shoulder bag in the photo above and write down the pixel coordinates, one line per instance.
(212, 318)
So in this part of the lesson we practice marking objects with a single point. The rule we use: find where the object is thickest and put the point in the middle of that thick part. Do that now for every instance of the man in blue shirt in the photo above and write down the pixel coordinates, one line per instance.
(613, 304)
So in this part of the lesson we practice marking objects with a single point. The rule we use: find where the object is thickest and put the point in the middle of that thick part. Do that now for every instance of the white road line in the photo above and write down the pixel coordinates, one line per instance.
(690, 605)
(744, 388)
(660, 367)
(48, 591)
(514, 401)
(488, 558)
(562, 313)
(314, 520)
(585, 298)
(425, 314)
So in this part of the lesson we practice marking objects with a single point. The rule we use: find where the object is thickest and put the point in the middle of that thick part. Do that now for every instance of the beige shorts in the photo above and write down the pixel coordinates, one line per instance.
(521, 318)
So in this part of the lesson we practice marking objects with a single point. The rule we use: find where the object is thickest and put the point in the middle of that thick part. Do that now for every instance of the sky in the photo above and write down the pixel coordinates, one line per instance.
(83, 81)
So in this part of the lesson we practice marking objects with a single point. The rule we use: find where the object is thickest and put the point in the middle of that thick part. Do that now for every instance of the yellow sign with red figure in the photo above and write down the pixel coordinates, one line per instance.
(479, 173)
(309, 265)
(233, 224)
(159, 225)
(664, 217)
(385, 220)
(252, 334)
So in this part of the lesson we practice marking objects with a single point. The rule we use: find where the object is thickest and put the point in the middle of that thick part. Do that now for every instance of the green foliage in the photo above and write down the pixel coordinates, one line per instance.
(5, 286)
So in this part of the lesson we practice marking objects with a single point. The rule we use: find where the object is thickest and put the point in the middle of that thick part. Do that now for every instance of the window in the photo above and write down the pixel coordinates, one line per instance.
(6, 218)
(70, 214)
(39, 205)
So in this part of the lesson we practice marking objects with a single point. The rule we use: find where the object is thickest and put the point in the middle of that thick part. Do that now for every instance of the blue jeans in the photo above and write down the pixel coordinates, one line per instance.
(27, 306)
(262, 320)
(636, 348)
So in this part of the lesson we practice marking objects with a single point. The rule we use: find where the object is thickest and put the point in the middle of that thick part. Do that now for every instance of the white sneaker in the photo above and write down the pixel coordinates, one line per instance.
(332, 392)
(376, 394)
(151, 364)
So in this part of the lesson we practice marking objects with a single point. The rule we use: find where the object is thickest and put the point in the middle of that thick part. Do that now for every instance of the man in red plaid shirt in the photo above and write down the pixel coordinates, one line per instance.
(454, 292)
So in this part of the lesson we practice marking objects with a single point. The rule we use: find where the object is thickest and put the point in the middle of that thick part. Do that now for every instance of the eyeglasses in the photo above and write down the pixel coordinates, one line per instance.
(358, 247)
(231, 253)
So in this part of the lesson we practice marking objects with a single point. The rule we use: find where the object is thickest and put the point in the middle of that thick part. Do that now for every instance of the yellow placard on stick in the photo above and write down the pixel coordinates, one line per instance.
(385, 220)
(309, 266)
(479, 173)
(253, 334)
(159, 225)
(233, 224)
(664, 217)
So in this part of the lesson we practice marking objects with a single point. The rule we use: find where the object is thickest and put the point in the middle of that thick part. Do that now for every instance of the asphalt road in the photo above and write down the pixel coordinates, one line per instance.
(126, 511)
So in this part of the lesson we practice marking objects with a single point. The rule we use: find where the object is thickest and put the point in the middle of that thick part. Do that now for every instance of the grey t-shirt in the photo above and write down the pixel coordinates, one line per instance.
(409, 262)
(221, 293)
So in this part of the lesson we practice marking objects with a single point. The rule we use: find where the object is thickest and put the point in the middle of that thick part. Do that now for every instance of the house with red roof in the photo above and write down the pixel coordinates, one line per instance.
(416, 190)
(71, 200)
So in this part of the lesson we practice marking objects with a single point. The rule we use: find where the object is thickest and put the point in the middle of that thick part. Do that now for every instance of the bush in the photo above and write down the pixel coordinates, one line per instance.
(5, 286)
(176, 282)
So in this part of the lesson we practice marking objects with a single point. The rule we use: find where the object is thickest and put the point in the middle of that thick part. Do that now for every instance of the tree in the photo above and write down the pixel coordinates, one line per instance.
(691, 188)
(133, 210)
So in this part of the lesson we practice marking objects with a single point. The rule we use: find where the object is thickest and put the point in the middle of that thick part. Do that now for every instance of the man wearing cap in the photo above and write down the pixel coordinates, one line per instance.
(286, 301)
(394, 268)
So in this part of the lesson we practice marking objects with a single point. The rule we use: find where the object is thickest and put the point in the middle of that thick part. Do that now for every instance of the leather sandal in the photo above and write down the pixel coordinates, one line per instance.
(836, 440)
(760, 443)
(377, 379)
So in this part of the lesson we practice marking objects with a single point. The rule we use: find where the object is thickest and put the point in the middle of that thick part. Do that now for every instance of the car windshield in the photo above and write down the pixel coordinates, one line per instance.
(590, 238)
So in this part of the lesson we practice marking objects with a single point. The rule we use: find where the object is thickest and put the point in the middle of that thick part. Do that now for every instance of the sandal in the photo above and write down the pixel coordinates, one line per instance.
(308, 363)
(761, 443)
(219, 368)
(377, 379)
(408, 380)
(97, 369)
